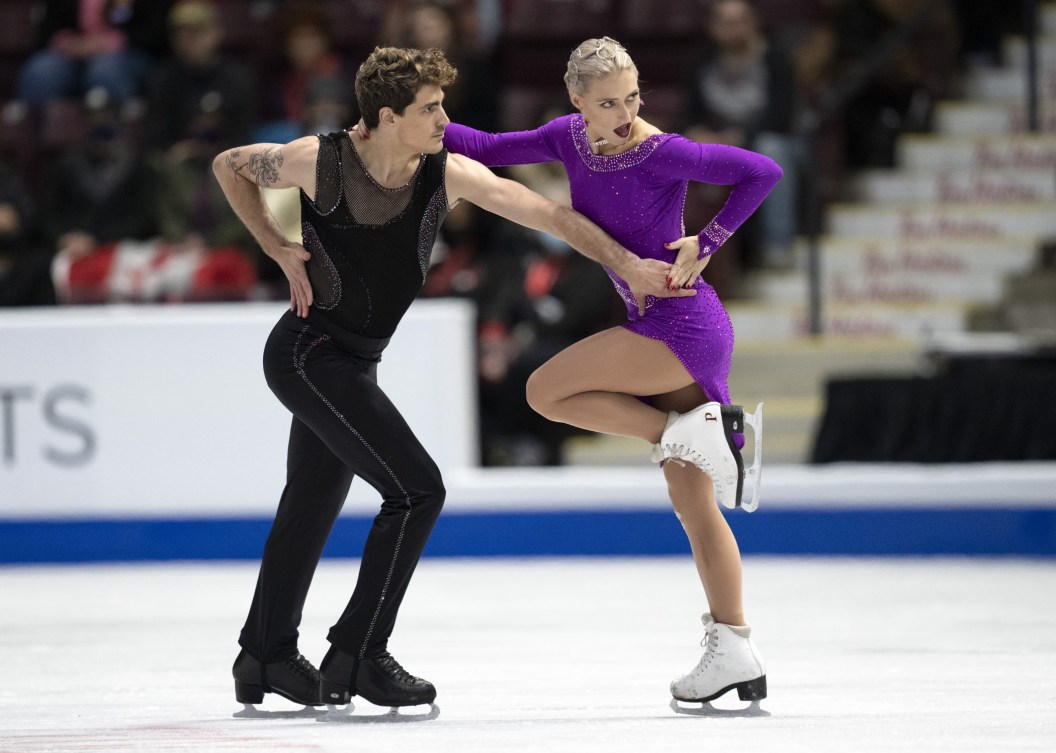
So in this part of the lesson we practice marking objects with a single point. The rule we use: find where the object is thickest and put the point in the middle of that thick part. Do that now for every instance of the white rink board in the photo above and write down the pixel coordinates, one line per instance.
(160, 410)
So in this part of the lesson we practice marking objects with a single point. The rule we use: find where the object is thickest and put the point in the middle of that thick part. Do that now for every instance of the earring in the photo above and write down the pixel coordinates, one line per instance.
(641, 102)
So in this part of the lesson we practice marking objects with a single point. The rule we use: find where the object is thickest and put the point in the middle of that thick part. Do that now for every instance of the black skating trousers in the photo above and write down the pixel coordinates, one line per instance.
(343, 426)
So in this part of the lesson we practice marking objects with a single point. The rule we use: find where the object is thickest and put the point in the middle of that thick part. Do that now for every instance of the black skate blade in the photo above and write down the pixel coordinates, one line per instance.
(250, 711)
(344, 715)
(706, 709)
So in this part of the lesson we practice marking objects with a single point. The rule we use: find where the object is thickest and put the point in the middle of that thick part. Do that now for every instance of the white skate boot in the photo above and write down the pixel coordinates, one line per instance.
(704, 437)
(731, 661)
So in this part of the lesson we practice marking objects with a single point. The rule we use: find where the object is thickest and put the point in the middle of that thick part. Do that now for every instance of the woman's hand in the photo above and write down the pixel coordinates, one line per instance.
(687, 267)
(291, 258)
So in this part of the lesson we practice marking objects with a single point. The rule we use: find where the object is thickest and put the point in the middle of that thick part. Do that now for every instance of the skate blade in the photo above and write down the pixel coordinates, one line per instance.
(755, 472)
(250, 711)
(344, 715)
(706, 709)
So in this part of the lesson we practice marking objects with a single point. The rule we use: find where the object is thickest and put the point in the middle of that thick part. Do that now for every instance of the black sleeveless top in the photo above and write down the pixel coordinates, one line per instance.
(370, 245)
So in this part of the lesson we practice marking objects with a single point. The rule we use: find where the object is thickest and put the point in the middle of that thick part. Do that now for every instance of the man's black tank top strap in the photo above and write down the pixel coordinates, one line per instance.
(370, 245)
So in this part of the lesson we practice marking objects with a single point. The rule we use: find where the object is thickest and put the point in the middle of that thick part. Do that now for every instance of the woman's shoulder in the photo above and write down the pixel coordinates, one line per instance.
(561, 125)
(674, 143)
(669, 154)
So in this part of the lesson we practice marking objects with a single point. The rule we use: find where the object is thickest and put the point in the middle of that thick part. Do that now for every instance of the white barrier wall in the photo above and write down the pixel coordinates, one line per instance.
(164, 410)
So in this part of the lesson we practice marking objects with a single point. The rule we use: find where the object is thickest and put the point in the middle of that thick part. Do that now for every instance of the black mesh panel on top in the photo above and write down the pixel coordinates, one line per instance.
(327, 177)
(370, 202)
(322, 274)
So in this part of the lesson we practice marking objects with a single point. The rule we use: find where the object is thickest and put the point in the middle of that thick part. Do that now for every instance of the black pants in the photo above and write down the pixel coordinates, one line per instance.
(343, 425)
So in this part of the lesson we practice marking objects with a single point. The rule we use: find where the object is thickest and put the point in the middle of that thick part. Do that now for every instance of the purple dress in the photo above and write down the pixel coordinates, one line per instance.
(637, 198)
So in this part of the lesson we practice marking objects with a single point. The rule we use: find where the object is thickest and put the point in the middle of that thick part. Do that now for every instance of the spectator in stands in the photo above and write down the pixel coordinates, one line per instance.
(103, 205)
(98, 192)
(479, 22)
(94, 43)
(537, 298)
(473, 98)
(901, 95)
(541, 298)
(742, 92)
(24, 276)
(201, 102)
(199, 95)
(311, 73)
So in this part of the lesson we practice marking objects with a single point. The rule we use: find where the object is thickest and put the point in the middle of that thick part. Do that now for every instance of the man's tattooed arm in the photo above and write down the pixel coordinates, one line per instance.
(243, 173)
(262, 167)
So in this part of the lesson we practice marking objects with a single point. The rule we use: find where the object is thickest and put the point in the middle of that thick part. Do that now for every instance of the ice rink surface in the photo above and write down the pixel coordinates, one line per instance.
(548, 655)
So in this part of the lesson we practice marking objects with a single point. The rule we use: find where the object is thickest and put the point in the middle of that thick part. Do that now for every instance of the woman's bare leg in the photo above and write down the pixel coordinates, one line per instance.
(715, 551)
(591, 384)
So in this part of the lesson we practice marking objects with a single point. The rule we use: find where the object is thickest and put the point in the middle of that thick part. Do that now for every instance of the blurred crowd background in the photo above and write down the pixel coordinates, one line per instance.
(112, 110)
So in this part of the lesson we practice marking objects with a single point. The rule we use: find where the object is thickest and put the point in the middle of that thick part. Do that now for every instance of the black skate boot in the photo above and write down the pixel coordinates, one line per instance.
(294, 678)
(381, 680)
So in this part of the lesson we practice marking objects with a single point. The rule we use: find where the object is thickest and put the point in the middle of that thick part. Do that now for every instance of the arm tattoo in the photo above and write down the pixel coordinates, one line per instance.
(262, 167)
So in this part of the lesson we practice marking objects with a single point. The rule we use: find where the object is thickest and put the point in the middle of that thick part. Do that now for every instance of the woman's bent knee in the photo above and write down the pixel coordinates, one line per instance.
(538, 393)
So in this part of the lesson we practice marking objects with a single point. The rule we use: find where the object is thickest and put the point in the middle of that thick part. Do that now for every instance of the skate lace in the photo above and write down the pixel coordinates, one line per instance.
(710, 644)
(680, 452)
(303, 667)
(392, 668)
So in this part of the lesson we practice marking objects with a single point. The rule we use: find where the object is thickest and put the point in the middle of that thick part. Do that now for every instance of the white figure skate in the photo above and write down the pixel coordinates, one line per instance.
(704, 437)
(730, 662)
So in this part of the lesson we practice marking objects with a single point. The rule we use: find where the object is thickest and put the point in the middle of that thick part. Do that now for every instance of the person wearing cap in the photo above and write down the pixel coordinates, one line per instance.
(98, 193)
(200, 99)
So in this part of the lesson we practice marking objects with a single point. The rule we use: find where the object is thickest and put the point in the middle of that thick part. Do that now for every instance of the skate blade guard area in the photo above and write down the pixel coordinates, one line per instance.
(395, 715)
(753, 474)
(705, 708)
(252, 711)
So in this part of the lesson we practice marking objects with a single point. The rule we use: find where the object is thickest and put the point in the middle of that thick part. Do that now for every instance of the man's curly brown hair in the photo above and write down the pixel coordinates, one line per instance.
(392, 76)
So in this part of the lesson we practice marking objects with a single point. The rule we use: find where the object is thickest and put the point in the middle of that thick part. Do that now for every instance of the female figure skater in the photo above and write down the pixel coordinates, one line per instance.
(631, 179)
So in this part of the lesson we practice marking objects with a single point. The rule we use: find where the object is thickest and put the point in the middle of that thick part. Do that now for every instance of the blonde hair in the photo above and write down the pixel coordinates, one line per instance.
(594, 59)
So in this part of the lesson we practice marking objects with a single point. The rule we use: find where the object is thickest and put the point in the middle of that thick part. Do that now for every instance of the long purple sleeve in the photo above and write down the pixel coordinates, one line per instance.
(502, 149)
(752, 175)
